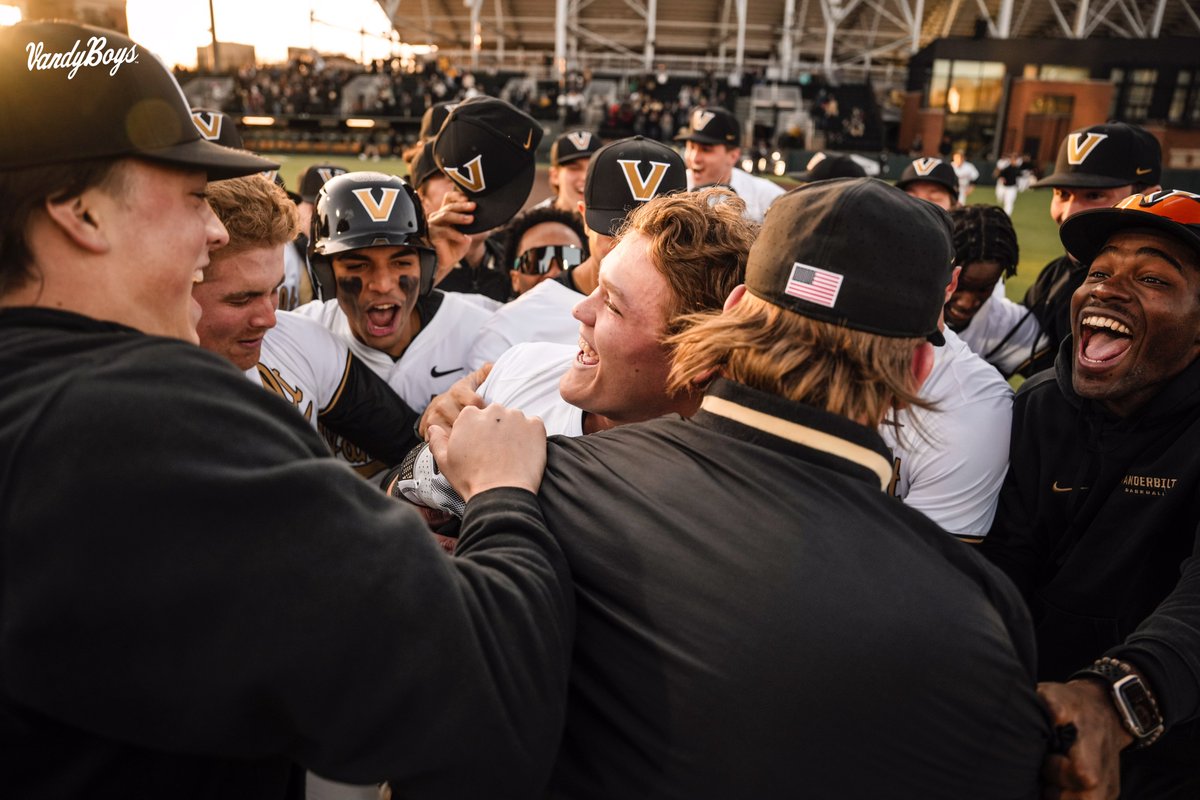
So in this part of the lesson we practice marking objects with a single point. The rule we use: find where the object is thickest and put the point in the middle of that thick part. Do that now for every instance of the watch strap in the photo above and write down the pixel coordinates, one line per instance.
(1111, 672)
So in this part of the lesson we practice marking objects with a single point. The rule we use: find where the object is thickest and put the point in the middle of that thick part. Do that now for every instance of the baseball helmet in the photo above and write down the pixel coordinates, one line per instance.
(366, 209)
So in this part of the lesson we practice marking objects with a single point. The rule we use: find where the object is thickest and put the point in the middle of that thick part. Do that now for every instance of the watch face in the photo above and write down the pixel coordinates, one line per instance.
(1138, 701)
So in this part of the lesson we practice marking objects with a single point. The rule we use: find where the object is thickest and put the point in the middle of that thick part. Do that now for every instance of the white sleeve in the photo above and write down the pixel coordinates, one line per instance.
(955, 478)
(989, 337)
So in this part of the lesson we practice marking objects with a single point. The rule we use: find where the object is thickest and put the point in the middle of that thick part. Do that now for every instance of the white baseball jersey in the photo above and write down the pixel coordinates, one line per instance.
(435, 358)
(992, 323)
(526, 378)
(303, 363)
(543, 314)
(758, 193)
(967, 174)
(950, 463)
(293, 267)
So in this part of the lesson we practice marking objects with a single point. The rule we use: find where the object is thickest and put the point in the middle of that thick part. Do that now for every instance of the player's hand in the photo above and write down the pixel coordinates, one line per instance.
(1091, 769)
(450, 243)
(489, 448)
(445, 408)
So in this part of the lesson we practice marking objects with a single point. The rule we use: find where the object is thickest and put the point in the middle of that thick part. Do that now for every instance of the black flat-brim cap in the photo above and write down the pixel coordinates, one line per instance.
(625, 173)
(712, 125)
(432, 119)
(71, 92)
(572, 146)
(488, 148)
(823, 167)
(1085, 234)
(855, 252)
(930, 170)
(316, 176)
(1105, 157)
(423, 166)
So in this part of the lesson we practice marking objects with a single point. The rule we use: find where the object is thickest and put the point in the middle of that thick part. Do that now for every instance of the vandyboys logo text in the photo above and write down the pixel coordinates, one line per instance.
(98, 53)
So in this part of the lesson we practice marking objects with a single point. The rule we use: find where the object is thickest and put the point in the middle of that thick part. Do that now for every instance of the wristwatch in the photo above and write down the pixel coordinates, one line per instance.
(1134, 701)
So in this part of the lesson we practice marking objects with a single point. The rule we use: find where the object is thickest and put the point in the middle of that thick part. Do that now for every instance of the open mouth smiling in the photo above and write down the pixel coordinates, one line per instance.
(1103, 341)
(382, 318)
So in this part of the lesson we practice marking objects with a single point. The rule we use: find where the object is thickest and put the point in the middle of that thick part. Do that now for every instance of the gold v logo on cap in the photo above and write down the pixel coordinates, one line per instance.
(643, 189)
(473, 181)
(1078, 150)
(378, 212)
(924, 166)
(209, 124)
(580, 139)
(701, 119)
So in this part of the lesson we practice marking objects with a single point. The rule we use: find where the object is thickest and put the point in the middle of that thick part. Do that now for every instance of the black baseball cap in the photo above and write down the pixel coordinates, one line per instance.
(217, 126)
(432, 119)
(572, 146)
(855, 252)
(316, 176)
(423, 166)
(627, 172)
(931, 170)
(488, 147)
(712, 125)
(1174, 212)
(824, 166)
(72, 92)
(1106, 156)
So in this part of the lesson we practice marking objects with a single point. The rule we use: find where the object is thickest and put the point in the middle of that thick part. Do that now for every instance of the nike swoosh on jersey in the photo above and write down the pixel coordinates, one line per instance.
(434, 373)
(1054, 487)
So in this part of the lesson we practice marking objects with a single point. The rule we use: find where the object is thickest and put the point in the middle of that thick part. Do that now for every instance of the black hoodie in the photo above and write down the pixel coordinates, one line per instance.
(1098, 516)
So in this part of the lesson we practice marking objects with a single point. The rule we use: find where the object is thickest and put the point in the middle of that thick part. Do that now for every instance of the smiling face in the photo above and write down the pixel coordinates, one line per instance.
(710, 163)
(569, 180)
(1136, 319)
(161, 230)
(238, 298)
(976, 283)
(621, 370)
(377, 289)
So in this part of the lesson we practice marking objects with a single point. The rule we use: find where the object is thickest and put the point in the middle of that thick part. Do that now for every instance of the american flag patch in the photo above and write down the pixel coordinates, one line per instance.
(814, 284)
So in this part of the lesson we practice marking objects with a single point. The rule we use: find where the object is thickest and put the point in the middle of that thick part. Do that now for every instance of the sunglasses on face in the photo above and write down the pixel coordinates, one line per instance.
(541, 260)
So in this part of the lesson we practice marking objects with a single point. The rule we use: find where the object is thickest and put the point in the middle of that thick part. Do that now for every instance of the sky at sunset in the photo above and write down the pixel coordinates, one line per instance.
(175, 29)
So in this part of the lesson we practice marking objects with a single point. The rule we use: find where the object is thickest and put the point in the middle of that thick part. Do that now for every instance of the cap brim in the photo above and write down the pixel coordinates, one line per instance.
(699, 138)
(217, 161)
(605, 221)
(496, 208)
(1086, 233)
(1079, 180)
(573, 157)
(953, 190)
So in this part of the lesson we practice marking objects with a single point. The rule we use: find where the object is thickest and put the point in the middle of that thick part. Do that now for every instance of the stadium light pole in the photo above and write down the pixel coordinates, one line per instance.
(212, 20)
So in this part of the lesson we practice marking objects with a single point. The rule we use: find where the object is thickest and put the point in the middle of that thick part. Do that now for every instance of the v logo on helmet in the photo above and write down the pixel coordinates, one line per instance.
(1154, 198)
(473, 181)
(378, 212)
(924, 166)
(580, 139)
(643, 189)
(208, 124)
(701, 119)
(1078, 150)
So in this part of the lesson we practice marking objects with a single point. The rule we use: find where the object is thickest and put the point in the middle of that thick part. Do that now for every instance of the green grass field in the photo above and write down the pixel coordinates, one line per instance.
(1037, 234)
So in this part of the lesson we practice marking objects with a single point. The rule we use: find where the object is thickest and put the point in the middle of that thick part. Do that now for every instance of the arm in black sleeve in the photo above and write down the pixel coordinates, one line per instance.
(213, 585)
(1013, 542)
(1166, 646)
(367, 412)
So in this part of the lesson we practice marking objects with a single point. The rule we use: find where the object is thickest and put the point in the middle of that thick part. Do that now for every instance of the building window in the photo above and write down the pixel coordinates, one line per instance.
(1136, 90)
(1185, 100)
(965, 87)
(1058, 72)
